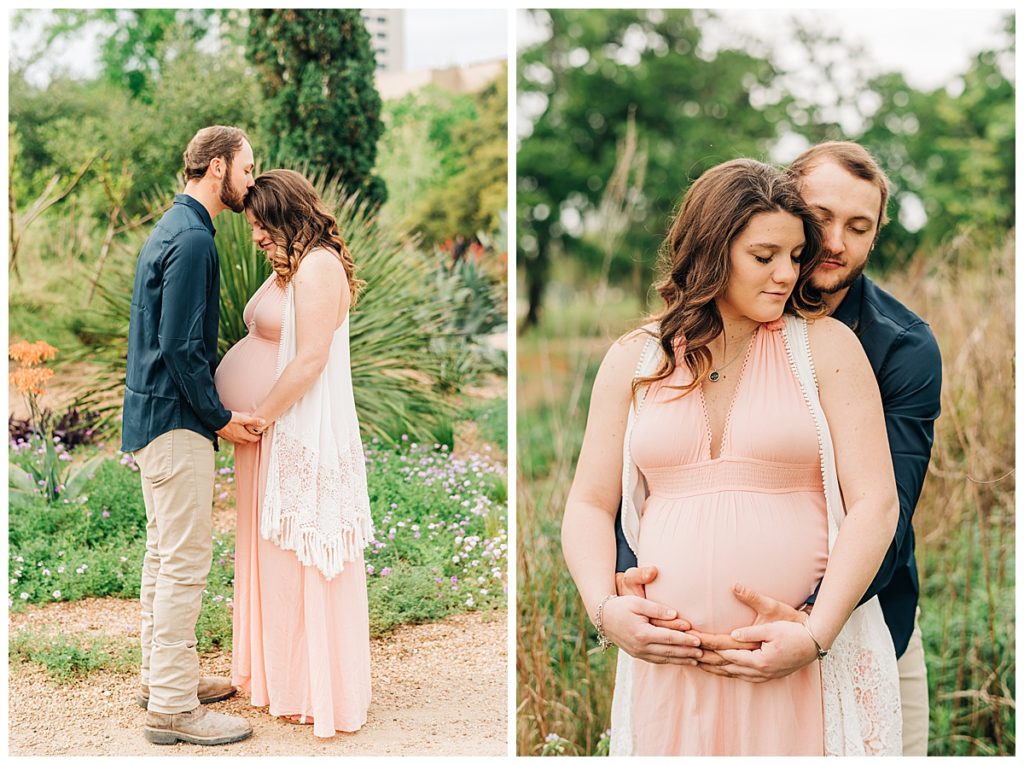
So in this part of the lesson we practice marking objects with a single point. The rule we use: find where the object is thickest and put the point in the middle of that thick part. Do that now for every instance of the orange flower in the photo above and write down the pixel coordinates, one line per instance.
(30, 380)
(31, 354)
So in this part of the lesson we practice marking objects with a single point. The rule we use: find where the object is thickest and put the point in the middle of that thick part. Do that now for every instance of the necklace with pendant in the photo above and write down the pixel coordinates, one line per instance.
(716, 374)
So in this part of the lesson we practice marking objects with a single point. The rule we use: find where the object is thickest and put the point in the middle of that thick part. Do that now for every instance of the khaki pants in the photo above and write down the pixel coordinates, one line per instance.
(177, 485)
(914, 695)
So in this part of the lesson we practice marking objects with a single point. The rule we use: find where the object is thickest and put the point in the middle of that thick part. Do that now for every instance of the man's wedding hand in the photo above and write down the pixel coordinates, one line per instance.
(237, 431)
(767, 610)
(633, 581)
(627, 622)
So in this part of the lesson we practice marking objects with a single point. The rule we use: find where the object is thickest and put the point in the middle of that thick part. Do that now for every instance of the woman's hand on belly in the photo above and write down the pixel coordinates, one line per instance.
(627, 623)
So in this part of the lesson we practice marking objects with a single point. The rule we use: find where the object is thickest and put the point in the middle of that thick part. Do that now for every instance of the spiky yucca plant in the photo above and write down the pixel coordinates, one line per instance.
(393, 370)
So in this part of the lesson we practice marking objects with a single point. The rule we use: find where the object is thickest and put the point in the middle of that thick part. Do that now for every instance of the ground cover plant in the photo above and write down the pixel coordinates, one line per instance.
(441, 537)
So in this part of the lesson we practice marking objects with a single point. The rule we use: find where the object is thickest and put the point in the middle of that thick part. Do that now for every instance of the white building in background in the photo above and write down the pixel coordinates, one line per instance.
(387, 33)
(469, 78)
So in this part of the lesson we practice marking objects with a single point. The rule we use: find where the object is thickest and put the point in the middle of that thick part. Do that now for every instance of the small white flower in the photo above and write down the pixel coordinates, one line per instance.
(25, 596)
(56, 594)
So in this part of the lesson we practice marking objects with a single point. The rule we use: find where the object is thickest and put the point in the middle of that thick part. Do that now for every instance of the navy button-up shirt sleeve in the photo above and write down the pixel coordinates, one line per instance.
(910, 383)
(624, 557)
(189, 273)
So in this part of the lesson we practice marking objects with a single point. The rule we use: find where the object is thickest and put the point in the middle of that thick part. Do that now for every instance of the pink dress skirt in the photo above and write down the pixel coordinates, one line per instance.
(755, 515)
(300, 644)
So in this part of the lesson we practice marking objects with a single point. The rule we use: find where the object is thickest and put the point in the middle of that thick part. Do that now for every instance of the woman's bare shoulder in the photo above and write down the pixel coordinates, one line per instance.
(836, 350)
(830, 334)
(620, 361)
(319, 268)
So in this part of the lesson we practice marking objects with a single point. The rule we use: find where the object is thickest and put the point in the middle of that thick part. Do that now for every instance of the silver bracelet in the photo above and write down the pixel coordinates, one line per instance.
(602, 639)
(822, 652)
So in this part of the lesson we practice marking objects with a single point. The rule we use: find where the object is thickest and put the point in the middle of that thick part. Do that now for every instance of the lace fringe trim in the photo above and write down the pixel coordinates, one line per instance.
(340, 526)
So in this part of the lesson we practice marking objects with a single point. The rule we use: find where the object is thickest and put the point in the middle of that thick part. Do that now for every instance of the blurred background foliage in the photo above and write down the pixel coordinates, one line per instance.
(619, 110)
(948, 151)
(95, 160)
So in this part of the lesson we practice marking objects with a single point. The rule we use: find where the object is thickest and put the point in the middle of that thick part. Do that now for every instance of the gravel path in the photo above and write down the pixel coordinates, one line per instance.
(438, 689)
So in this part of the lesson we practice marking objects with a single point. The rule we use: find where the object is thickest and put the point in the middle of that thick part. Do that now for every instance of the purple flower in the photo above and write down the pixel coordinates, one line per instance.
(106, 513)
(385, 571)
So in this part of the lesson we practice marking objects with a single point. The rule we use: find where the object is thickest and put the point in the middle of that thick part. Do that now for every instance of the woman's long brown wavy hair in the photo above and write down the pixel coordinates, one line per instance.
(695, 259)
(297, 220)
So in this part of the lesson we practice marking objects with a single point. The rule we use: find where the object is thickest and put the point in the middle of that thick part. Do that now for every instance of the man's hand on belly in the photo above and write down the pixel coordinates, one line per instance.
(753, 660)
(633, 581)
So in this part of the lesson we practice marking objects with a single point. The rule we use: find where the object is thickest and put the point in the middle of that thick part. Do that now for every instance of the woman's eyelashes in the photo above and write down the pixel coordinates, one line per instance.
(796, 258)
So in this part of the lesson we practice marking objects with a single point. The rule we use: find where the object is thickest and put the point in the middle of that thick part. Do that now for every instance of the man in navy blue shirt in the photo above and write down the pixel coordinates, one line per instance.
(845, 187)
(172, 417)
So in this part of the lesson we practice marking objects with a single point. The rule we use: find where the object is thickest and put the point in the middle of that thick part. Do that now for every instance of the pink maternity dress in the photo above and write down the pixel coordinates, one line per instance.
(301, 643)
(755, 515)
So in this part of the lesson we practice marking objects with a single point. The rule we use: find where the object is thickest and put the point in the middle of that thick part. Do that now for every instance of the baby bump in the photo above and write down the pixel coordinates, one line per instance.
(246, 374)
(776, 544)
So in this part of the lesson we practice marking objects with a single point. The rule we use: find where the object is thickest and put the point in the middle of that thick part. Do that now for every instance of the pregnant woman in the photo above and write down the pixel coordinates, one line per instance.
(728, 454)
(301, 627)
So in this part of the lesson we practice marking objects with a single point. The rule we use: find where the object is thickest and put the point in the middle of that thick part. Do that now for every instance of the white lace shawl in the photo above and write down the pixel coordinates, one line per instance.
(316, 501)
(860, 681)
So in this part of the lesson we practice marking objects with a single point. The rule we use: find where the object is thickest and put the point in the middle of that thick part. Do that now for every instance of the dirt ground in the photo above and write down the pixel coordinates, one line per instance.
(438, 689)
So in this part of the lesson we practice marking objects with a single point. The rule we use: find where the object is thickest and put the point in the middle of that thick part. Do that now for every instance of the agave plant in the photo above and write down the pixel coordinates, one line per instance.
(50, 478)
(393, 369)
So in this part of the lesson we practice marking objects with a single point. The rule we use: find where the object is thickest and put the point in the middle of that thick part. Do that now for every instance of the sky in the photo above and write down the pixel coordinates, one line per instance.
(434, 39)
(439, 38)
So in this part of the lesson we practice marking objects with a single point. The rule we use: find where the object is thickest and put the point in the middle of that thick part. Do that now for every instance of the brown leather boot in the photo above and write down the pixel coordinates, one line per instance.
(197, 726)
(211, 689)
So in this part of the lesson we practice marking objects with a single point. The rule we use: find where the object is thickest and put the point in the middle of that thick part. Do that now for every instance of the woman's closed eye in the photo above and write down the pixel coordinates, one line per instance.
(796, 258)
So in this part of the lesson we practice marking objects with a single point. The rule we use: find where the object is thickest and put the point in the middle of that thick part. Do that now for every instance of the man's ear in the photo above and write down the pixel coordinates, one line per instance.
(218, 167)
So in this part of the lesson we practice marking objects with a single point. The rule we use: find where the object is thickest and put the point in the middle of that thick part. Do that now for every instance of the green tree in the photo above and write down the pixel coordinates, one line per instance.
(953, 152)
(317, 69)
(132, 41)
(474, 197)
(62, 124)
(692, 109)
(417, 151)
(948, 152)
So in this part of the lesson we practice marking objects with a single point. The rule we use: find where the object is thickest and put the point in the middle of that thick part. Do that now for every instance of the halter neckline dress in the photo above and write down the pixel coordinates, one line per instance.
(754, 515)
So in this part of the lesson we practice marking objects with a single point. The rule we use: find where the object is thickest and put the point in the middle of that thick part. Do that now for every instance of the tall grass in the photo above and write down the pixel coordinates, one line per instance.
(964, 520)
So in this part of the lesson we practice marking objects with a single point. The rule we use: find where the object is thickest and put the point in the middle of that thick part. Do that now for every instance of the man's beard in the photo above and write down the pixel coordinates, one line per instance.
(231, 197)
(843, 283)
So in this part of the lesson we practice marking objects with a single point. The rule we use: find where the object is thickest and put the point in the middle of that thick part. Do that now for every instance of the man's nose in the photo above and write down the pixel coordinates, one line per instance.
(834, 244)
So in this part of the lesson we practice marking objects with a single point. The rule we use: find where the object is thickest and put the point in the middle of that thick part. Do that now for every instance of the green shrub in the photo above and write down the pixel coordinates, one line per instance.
(441, 542)
(71, 657)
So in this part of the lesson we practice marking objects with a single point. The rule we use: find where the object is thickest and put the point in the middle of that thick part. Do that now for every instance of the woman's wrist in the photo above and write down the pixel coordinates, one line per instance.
(602, 638)
(822, 636)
